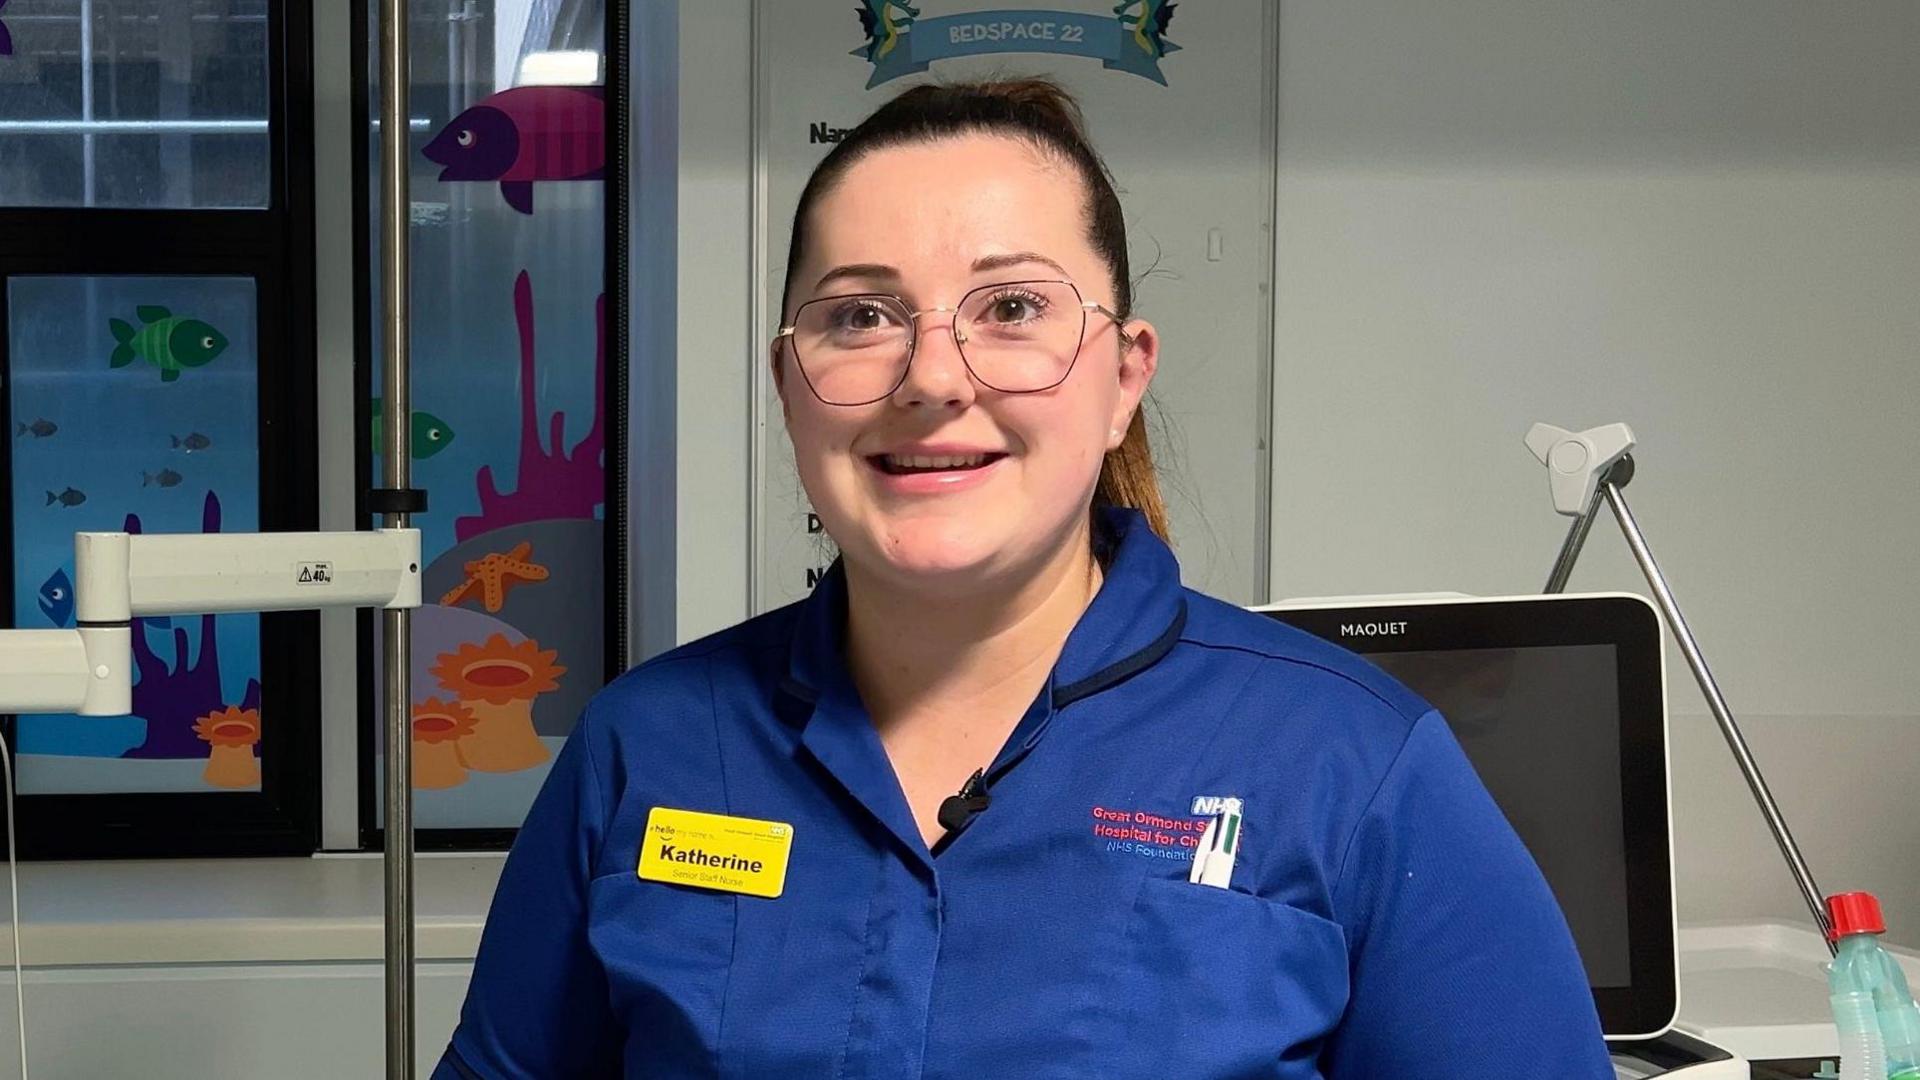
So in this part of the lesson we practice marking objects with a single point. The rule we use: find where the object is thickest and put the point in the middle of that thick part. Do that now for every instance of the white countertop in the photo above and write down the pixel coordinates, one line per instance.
(1759, 989)
(1755, 988)
(326, 908)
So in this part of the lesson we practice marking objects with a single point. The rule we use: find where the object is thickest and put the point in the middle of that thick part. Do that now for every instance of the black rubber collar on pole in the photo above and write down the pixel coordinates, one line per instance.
(397, 501)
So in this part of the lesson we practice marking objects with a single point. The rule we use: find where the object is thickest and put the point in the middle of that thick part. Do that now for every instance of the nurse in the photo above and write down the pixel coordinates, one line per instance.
(941, 819)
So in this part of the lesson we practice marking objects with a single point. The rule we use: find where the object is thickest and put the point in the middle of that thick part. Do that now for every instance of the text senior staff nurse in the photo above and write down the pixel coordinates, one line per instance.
(961, 372)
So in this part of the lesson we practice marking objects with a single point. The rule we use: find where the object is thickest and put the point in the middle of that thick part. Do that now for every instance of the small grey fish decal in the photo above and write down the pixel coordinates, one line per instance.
(69, 497)
(165, 478)
(40, 429)
(195, 441)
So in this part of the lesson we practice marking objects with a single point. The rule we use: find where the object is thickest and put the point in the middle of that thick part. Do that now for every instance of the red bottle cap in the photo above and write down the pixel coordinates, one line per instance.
(1855, 913)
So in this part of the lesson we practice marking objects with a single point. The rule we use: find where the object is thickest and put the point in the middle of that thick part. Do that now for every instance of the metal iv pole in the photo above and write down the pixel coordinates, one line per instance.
(395, 504)
(1591, 467)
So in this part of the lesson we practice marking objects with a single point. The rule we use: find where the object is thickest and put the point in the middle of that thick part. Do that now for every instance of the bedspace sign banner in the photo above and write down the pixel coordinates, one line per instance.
(1132, 38)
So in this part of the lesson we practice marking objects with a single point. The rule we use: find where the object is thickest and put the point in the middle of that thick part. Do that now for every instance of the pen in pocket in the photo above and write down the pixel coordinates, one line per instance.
(1219, 845)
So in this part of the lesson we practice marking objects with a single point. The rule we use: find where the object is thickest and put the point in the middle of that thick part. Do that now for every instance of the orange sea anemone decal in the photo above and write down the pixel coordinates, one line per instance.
(231, 734)
(229, 727)
(499, 671)
(438, 721)
(438, 727)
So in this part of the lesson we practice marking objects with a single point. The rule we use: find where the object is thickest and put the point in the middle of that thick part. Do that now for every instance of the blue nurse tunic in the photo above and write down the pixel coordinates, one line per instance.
(1382, 919)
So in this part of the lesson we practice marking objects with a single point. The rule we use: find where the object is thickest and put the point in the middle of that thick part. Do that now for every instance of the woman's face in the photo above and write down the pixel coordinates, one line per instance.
(928, 222)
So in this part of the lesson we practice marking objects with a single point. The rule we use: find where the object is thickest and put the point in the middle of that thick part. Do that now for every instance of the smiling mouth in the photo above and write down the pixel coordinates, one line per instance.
(912, 464)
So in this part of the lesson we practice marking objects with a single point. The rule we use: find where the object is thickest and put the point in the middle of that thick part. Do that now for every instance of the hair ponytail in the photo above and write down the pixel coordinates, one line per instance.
(1127, 478)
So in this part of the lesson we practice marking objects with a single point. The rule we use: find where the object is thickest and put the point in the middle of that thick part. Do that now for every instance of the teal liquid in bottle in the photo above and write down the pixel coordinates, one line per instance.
(1899, 1020)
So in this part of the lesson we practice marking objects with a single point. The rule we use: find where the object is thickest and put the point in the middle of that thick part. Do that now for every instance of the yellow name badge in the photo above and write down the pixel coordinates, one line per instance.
(715, 851)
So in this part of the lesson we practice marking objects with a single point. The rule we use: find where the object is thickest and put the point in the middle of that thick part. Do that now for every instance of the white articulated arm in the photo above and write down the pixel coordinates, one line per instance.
(1576, 460)
(119, 576)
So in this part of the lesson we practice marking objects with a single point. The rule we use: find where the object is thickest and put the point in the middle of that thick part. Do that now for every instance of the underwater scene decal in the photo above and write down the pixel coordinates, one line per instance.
(509, 425)
(135, 408)
(509, 644)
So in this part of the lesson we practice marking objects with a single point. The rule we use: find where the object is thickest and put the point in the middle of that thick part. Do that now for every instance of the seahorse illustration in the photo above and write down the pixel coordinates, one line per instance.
(882, 27)
(1149, 25)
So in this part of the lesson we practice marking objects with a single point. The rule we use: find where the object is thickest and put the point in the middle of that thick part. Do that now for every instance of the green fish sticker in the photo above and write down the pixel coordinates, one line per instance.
(166, 341)
(430, 434)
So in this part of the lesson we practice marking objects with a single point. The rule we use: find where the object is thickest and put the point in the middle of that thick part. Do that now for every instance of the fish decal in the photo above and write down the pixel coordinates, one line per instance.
(39, 429)
(69, 497)
(428, 434)
(166, 341)
(190, 443)
(56, 599)
(524, 134)
(6, 39)
(165, 478)
(1149, 24)
(882, 27)
(57, 604)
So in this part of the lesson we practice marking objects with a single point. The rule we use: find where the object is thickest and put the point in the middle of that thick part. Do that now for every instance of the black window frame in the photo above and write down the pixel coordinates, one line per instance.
(618, 61)
(274, 246)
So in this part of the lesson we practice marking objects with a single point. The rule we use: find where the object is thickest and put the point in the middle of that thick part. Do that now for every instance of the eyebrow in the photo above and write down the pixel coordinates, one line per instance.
(885, 273)
(997, 262)
(870, 271)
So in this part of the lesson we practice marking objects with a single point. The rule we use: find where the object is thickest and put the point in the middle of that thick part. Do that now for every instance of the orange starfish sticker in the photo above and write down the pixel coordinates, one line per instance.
(494, 574)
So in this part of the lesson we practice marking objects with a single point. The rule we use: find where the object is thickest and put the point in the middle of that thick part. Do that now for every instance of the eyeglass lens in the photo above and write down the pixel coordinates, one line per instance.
(1016, 337)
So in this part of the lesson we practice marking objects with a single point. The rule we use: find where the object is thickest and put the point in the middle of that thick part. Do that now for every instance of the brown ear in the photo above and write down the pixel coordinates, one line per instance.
(774, 354)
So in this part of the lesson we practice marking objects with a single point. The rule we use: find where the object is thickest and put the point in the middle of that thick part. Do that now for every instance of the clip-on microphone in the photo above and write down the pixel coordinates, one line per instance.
(958, 811)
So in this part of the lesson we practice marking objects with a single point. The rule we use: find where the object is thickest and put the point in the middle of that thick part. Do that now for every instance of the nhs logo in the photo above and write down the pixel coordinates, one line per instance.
(1208, 805)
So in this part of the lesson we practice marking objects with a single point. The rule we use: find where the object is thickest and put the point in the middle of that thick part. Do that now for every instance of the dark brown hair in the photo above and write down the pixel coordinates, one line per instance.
(1045, 115)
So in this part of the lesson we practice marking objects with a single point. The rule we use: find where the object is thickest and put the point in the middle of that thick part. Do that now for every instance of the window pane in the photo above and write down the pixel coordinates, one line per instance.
(508, 381)
(135, 406)
(134, 103)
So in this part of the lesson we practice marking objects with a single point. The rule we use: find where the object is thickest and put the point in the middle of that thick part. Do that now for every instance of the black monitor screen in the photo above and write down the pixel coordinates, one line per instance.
(1560, 704)
(1542, 728)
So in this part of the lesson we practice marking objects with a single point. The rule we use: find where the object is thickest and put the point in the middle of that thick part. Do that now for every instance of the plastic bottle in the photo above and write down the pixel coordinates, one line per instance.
(1863, 967)
(1856, 968)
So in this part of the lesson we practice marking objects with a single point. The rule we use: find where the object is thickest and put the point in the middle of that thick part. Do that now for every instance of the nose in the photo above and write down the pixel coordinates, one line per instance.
(937, 374)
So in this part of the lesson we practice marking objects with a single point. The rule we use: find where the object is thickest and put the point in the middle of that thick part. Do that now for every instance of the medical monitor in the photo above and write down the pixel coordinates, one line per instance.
(1560, 703)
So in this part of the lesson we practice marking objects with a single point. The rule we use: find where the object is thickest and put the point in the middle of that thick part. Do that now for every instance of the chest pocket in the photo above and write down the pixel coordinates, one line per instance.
(1227, 984)
(667, 950)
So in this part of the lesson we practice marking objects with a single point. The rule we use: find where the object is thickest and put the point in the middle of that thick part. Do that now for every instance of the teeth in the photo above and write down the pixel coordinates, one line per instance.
(918, 461)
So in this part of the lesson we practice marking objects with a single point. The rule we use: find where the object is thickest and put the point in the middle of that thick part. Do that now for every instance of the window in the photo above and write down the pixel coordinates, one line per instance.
(517, 423)
(135, 407)
(135, 103)
(156, 347)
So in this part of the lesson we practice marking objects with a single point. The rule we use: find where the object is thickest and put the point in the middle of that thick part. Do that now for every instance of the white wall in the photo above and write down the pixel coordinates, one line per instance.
(716, 328)
(1179, 182)
(1696, 217)
(1699, 218)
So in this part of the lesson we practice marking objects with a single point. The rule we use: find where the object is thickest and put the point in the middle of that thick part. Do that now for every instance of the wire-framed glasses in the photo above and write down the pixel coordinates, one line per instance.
(1017, 337)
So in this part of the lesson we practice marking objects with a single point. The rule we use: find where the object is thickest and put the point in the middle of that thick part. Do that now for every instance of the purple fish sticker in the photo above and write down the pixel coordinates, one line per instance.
(528, 133)
(6, 39)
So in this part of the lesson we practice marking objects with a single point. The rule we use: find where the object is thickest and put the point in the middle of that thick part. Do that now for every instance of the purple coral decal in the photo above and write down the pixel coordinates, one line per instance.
(552, 483)
(171, 697)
